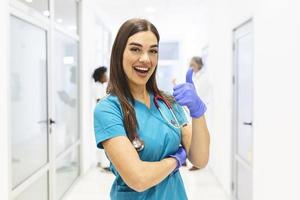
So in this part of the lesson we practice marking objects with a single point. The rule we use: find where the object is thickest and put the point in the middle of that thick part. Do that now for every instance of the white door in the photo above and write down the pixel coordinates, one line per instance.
(243, 109)
(28, 110)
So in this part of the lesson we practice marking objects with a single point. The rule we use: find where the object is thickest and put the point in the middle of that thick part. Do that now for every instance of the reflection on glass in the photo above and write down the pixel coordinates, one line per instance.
(67, 171)
(42, 6)
(38, 190)
(65, 14)
(28, 107)
(66, 101)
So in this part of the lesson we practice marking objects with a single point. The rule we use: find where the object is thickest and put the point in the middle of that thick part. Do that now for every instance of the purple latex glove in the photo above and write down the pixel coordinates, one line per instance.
(189, 76)
(185, 95)
(180, 156)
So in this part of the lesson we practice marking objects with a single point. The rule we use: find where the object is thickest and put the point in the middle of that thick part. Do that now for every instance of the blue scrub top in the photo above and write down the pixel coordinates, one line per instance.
(160, 140)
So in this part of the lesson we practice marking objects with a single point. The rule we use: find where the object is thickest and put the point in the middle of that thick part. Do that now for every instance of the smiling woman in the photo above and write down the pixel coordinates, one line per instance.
(144, 149)
(140, 57)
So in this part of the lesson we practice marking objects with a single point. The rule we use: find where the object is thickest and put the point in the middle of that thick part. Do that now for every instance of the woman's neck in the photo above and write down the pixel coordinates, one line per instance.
(141, 94)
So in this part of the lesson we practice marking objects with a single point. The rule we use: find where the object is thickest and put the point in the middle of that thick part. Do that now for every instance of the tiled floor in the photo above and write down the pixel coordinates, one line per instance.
(95, 185)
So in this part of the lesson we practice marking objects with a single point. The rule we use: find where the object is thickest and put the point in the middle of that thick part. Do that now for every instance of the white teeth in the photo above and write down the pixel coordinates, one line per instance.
(142, 68)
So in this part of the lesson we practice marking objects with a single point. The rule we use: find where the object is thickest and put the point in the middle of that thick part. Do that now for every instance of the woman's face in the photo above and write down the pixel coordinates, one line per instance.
(140, 57)
(194, 66)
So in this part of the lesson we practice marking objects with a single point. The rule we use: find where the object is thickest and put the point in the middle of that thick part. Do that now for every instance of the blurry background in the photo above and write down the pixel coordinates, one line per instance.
(49, 49)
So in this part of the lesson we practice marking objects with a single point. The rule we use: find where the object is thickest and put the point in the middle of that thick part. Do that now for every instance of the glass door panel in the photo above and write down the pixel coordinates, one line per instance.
(65, 96)
(38, 190)
(67, 171)
(28, 97)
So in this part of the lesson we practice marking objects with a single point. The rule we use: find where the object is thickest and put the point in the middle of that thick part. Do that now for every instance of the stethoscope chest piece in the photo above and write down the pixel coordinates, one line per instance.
(138, 144)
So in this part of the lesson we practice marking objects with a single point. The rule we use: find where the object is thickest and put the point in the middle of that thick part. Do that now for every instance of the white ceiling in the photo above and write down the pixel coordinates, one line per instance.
(168, 13)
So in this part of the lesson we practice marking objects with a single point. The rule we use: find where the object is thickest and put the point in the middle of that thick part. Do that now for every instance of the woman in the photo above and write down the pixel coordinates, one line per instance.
(141, 141)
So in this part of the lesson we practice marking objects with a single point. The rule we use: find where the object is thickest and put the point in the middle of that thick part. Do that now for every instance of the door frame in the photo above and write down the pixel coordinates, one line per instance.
(235, 109)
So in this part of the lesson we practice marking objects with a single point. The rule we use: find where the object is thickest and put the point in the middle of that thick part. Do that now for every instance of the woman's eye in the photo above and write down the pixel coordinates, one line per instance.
(136, 50)
(153, 51)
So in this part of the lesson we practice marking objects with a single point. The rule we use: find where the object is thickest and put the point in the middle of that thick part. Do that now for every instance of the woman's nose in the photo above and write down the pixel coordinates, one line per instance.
(144, 58)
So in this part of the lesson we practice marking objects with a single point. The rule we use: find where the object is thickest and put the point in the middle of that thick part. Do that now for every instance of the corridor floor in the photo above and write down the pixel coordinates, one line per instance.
(95, 185)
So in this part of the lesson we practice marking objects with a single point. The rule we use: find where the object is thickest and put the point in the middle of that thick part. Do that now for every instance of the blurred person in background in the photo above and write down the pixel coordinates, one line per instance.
(100, 78)
(100, 86)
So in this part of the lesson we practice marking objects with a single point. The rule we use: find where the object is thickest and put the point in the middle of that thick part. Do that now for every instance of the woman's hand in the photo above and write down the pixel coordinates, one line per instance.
(180, 157)
(185, 95)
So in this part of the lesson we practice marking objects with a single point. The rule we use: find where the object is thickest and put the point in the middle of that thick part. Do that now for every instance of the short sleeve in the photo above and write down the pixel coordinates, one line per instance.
(108, 121)
(180, 113)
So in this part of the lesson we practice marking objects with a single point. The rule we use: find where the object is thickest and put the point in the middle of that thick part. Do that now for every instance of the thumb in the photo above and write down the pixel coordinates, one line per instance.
(189, 75)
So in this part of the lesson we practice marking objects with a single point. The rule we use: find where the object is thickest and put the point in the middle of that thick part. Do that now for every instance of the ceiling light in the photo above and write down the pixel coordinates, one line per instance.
(28, 1)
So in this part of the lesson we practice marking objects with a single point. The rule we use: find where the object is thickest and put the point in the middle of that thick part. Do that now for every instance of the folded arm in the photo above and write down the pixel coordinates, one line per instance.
(137, 174)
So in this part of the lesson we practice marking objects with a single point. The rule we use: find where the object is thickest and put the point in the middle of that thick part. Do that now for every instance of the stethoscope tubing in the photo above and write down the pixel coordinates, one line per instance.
(137, 142)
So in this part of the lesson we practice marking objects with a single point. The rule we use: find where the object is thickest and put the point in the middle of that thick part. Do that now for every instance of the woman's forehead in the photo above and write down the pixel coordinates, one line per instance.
(144, 38)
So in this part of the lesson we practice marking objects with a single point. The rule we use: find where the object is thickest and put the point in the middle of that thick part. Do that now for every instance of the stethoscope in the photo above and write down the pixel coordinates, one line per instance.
(137, 143)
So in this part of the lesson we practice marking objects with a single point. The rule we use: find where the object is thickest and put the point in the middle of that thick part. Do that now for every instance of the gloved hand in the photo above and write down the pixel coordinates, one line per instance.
(185, 95)
(189, 76)
(180, 156)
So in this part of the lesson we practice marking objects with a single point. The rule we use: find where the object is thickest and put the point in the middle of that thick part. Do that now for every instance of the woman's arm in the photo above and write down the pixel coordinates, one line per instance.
(196, 140)
(137, 174)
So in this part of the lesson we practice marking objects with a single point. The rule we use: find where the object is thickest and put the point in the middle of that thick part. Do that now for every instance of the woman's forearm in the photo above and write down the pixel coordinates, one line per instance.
(152, 173)
(198, 152)
(195, 140)
(137, 174)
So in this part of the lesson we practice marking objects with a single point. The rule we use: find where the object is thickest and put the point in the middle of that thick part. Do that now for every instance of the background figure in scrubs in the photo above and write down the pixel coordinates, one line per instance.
(203, 87)
(100, 78)
(141, 141)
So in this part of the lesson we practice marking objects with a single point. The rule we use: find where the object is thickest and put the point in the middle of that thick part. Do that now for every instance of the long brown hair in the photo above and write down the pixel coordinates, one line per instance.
(118, 84)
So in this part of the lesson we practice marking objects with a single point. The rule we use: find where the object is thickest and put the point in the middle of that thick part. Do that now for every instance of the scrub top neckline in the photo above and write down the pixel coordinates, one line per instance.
(143, 104)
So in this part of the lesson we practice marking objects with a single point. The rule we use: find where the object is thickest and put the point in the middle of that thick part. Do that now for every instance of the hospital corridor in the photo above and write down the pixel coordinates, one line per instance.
(149, 100)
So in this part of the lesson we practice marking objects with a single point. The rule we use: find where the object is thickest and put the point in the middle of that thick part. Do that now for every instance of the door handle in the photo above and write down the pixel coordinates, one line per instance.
(248, 123)
(51, 121)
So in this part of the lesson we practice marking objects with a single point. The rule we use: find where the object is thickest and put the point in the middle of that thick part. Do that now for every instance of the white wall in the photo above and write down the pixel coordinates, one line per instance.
(4, 171)
(276, 99)
(220, 64)
(87, 60)
(88, 51)
(276, 102)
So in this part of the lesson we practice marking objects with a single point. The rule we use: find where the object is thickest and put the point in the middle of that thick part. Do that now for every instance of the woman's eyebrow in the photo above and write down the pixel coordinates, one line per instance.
(154, 45)
(138, 44)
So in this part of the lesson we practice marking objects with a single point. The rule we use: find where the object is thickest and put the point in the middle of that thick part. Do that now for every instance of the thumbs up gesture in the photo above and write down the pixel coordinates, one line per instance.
(185, 95)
